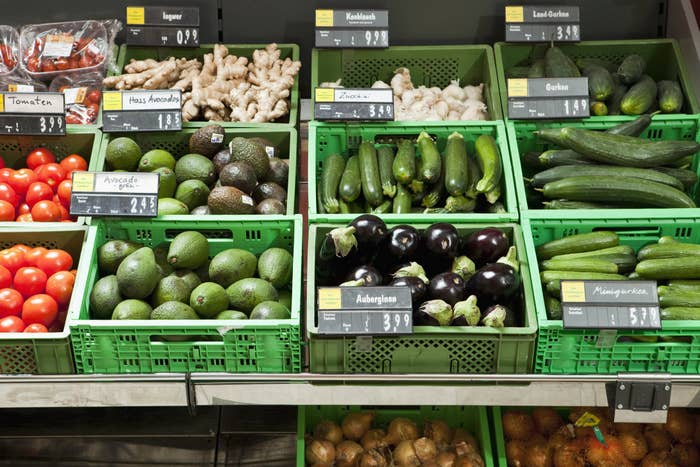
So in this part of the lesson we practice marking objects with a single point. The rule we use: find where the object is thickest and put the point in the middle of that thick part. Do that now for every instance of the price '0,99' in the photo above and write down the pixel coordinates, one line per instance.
(142, 204)
(50, 124)
(396, 323)
(186, 36)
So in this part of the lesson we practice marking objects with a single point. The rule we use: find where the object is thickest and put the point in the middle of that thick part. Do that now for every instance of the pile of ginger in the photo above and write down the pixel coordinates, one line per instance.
(222, 87)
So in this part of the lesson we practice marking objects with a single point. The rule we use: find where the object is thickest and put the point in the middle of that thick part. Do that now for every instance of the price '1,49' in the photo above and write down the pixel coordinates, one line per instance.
(575, 107)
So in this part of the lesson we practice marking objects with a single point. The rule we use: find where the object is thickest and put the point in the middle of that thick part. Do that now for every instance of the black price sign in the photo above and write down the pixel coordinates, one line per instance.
(162, 26)
(352, 29)
(542, 24)
(126, 111)
(543, 98)
(120, 194)
(364, 310)
(354, 104)
(610, 305)
(32, 113)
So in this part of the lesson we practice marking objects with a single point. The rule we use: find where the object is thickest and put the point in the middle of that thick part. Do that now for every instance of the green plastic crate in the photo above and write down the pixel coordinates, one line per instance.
(144, 346)
(44, 353)
(126, 53)
(663, 58)
(83, 141)
(327, 139)
(430, 349)
(522, 140)
(177, 143)
(577, 351)
(430, 65)
(472, 419)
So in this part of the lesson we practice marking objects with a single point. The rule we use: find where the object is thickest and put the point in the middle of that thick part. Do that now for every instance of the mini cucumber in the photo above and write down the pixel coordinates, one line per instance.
(489, 160)
(680, 313)
(385, 160)
(557, 173)
(350, 183)
(577, 244)
(432, 163)
(580, 265)
(668, 250)
(599, 109)
(549, 276)
(558, 157)
(685, 284)
(369, 174)
(402, 200)
(456, 171)
(613, 250)
(404, 166)
(631, 69)
(553, 288)
(624, 262)
(670, 296)
(676, 268)
(670, 96)
(332, 170)
(553, 307)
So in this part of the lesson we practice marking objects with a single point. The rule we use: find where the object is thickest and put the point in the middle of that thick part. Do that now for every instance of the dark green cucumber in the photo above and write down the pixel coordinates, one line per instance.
(670, 96)
(402, 200)
(350, 183)
(567, 204)
(474, 177)
(670, 296)
(333, 168)
(584, 63)
(553, 307)
(385, 159)
(632, 128)
(578, 244)
(598, 252)
(599, 109)
(558, 157)
(456, 171)
(611, 189)
(537, 69)
(687, 177)
(616, 99)
(489, 160)
(580, 265)
(430, 156)
(518, 72)
(680, 313)
(675, 268)
(682, 163)
(668, 250)
(369, 174)
(550, 276)
(639, 97)
(600, 82)
(435, 193)
(693, 285)
(557, 173)
(631, 69)
(558, 65)
(531, 160)
(404, 166)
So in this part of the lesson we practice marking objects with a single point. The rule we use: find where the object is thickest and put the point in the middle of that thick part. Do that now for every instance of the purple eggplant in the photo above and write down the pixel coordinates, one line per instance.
(442, 240)
(434, 313)
(417, 286)
(364, 275)
(498, 316)
(494, 283)
(402, 242)
(447, 286)
(369, 230)
(338, 243)
(485, 245)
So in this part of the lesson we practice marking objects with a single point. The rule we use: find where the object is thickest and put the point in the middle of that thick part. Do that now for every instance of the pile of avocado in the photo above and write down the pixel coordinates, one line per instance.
(180, 282)
(244, 178)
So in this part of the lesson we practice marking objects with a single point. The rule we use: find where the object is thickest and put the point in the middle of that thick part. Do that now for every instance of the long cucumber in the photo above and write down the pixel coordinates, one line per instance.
(567, 204)
(613, 250)
(404, 166)
(632, 128)
(549, 276)
(351, 183)
(430, 170)
(385, 160)
(580, 265)
(676, 268)
(687, 177)
(456, 170)
(331, 173)
(577, 244)
(559, 157)
(369, 174)
(557, 173)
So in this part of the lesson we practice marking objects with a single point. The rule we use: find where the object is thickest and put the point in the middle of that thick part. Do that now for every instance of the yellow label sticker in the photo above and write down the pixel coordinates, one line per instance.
(12, 87)
(112, 100)
(83, 181)
(135, 15)
(2, 102)
(329, 299)
(325, 95)
(324, 18)
(515, 14)
(587, 419)
(574, 292)
(517, 87)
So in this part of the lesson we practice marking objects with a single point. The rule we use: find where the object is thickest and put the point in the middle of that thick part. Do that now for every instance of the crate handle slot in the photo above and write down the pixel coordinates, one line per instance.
(158, 339)
(394, 139)
(209, 233)
(629, 231)
(677, 340)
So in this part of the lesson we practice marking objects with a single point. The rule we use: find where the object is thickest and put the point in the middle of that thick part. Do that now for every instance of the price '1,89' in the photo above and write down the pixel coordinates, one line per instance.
(395, 322)
(51, 124)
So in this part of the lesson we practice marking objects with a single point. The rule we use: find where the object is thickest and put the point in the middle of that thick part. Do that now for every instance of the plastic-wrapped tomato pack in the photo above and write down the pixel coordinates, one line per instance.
(82, 93)
(19, 82)
(9, 49)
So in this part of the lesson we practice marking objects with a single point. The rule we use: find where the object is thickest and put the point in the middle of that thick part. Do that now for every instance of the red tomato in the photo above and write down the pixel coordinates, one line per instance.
(38, 191)
(33, 255)
(5, 278)
(26, 217)
(74, 162)
(36, 327)
(12, 260)
(33, 64)
(54, 261)
(60, 287)
(7, 193)
(21, 247)
(52, 173)
(46, 211)
(11, 324)
(40, 308)
(47, 65)
(62, 63)
(94, 96)
(63, 191)
(65, 213)
(7, 211)
(73, 119)
(23, 209)
(11, 303)
(5, 174)
(21, 179)
(2, 163)
(30, 281)
(40, 156)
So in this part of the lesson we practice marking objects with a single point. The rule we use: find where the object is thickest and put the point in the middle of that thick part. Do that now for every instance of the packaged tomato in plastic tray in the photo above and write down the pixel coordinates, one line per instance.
(48, 50)
(9, 49)
(20, 82)
(82, 93)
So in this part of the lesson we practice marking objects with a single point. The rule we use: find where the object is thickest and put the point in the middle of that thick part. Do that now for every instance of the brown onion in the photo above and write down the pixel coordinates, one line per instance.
(374, 439)
(634, 446)
(538, 454)
(355, 425)
(628, 428)
(546, 420)
(469, 460)
(329, 431)
(461, 435)
(401, 429)
(658, 459)
(681, 425)
(686, 455)
(348, 453)
(657, 440)
(320, 451)
(373, 458)
(560, 437)
(439, 432)
(446, 459)
(517, 425)
(405, 454)
(570, 454)
(425, 449)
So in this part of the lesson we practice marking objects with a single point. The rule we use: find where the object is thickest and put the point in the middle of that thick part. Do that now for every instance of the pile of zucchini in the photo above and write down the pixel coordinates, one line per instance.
(599, 256)
(612, 169)
(383, 179)
(614, 88)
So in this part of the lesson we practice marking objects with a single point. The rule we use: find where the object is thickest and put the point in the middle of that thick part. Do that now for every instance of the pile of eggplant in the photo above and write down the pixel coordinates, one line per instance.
(454, 280)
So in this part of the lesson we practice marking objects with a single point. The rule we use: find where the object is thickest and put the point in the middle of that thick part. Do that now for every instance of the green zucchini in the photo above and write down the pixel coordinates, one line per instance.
(558, 65)
(567, 204)
(580, 265)
(676, 268)
(670, 296)
(495, 208)
(493, 195)
(489, 160)
(639, 97)
(518, 72)
(685, 285)
(402, 200)
(600, 82)
(537, 69)
(685, 313)
(687, 177)
(557, 173)
(404, 166)
(631, 69)
(385, 160)
(670, 96)
(383, 208)
(350, 183)
(615, 99)
(456, 171)
(430, 170)
(633, 127)
(668, 250)
(435, 193)
(613, 189)
(557, 157)
(350, 207)
(458, 204)
(332, 170)
(597, 252)
(578, 244)
(369, 174)
(553, 307)
(599, 109)
(474, 177)
(549, 276)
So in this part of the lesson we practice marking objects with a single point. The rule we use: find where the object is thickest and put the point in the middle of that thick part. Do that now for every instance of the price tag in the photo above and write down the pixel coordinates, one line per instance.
(364, 310)
(124, 111)
(162, 26)
(354, 104)
(121, 194)
(542, 23)
(546, 98)
(32, 113)
(352, 28)
(610, 305)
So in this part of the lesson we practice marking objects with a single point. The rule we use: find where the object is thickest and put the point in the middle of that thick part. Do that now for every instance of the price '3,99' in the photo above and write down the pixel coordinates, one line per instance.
(51, 124)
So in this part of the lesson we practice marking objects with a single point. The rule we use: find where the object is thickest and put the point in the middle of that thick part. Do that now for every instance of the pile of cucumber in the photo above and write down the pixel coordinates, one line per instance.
(599, 256)
(614, 88)
(382, 178)
(611, 169)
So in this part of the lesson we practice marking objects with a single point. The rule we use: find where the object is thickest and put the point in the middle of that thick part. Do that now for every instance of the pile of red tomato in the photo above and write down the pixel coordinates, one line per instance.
(40, 192)
(7, 57)
(35, 288)
(82, 56)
